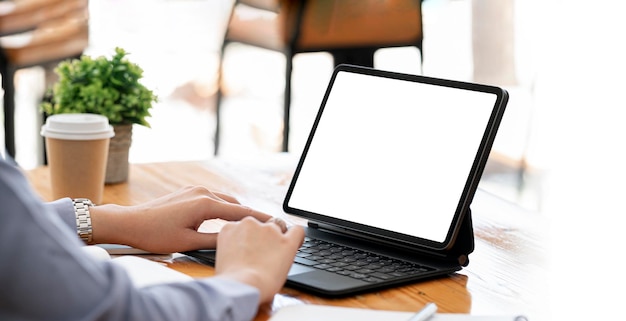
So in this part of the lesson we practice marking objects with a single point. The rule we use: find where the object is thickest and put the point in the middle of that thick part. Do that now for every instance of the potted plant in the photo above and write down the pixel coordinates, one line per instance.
(109, 87)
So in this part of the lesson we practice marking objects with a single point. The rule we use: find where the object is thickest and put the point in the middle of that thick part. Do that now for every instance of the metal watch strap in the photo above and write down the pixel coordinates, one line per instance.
(83, 219)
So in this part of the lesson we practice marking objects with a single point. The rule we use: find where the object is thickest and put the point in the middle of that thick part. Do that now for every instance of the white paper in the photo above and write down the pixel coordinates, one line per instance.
(144, 272)
(309, 312)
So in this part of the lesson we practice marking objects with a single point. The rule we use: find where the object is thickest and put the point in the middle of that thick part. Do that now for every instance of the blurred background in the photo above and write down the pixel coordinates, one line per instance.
(559, 151)
(177, 43)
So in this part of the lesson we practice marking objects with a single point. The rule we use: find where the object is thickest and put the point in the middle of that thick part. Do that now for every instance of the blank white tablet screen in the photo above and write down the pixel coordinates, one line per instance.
(387, 152)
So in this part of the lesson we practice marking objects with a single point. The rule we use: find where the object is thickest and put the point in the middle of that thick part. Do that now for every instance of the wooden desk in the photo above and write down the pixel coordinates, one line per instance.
(507, 271)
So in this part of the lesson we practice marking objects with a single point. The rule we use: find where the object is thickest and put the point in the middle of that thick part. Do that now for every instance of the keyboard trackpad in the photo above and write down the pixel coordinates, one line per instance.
(300, 274)
(299, 269)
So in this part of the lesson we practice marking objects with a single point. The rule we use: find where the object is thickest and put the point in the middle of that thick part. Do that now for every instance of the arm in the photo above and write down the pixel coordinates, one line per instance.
(169, 223)
(164, 225)
(45, 275)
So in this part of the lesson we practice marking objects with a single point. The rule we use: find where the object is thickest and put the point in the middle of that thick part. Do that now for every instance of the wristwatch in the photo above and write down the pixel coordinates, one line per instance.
(83, 219)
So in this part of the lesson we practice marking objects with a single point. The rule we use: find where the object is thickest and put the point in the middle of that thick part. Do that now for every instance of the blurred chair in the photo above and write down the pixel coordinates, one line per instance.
(37, 33)
(350, 30)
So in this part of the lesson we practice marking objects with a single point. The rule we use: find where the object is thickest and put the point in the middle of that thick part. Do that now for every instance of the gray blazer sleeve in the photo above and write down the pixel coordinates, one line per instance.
(64, 208)
(45, 274)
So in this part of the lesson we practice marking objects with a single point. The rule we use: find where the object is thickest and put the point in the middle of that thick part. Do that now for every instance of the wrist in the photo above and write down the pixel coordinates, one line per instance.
(107, 226)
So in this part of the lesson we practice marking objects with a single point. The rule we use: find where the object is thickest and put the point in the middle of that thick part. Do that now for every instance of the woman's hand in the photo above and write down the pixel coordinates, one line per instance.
(258, 254)
(169, 223)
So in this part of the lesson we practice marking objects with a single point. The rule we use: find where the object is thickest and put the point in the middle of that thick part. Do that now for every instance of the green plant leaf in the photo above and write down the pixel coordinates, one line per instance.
(107, 86)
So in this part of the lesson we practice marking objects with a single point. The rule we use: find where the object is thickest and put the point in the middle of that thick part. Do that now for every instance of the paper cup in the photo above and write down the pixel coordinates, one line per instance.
(77, 146)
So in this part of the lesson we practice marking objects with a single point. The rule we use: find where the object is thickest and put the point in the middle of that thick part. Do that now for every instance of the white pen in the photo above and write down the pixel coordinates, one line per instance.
(425, 313)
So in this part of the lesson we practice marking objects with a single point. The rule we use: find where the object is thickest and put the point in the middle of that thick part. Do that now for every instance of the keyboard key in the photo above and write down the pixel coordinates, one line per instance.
(371, 280)
(386, 269)
(335, 256)
(304, 261)
(357, 276)
(348, 259)
(382, 276)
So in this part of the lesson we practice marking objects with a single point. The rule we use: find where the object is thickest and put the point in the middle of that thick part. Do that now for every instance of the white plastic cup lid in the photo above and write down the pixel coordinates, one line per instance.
(77, 127)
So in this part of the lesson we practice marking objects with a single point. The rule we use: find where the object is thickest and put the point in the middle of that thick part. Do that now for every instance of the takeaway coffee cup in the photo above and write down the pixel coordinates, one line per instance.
(77, 146)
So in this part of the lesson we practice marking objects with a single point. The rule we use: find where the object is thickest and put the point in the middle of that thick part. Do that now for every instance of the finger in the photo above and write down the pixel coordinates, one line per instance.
(296, 234)
(227, 198)
(203, 191)
(279, 222)
(236, 212)
(193, 240)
